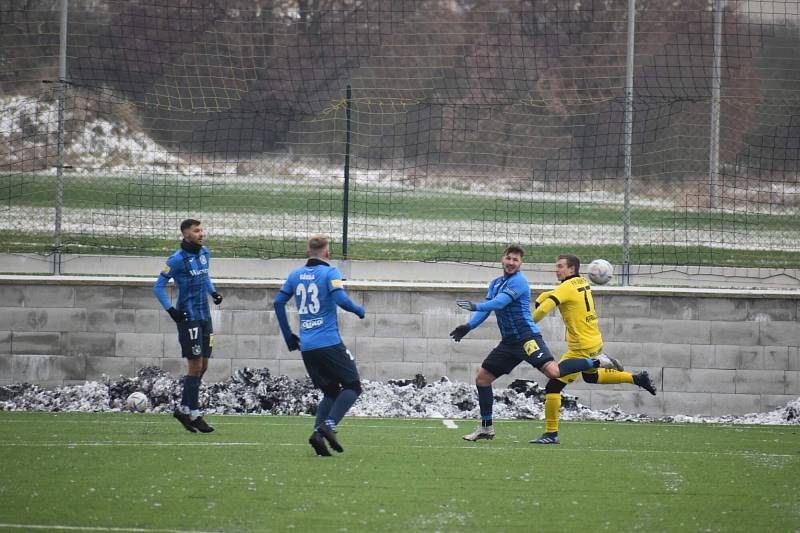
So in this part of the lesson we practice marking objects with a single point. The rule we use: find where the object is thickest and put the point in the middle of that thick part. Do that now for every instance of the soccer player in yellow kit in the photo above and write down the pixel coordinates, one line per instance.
(573, 297)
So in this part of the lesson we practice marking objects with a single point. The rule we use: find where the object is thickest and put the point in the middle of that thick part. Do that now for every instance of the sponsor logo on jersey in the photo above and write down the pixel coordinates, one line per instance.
(307, 276)
(310, 324)
(337, 283)
(590, 318)
(198, 271)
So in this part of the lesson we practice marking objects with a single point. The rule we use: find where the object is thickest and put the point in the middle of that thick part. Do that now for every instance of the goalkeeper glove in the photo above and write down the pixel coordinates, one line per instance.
(293, 343)
(460, 332)
(466, 304)
(217, 297)
(177, 315)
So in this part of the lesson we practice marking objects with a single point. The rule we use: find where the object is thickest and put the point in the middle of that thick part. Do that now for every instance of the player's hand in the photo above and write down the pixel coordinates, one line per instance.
(361, 313)
(217, 297)
(177, 315)
(293, 343)
(460, 332)
(466, 304)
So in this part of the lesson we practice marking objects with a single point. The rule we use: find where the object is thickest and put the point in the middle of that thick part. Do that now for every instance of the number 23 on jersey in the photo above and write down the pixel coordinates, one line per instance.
(308, 298)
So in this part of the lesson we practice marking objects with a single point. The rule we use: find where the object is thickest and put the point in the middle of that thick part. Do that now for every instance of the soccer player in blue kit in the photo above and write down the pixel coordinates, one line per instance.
(188, 266)
(317, 290)
(509, 296)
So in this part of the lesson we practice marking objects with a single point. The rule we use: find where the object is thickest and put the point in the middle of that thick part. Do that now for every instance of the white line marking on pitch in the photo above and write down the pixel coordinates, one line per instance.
(449, 424)
(100, 528)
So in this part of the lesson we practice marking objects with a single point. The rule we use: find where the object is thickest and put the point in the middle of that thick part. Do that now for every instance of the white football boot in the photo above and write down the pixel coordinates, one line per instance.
(609, 362)
(481, 433)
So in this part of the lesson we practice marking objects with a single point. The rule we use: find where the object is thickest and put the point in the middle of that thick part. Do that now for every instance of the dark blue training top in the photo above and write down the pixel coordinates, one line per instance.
(510, 298)
(317, 289)
(190, 272)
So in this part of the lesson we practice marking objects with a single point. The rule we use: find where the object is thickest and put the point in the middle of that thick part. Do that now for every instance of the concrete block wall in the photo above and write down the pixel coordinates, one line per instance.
(711, 352)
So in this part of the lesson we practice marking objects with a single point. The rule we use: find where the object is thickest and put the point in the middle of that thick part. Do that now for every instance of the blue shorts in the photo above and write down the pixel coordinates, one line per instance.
(330, 366)
(196, 338)
(507, 355)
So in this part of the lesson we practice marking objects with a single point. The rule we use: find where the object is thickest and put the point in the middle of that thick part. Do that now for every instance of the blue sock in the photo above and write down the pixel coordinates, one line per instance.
(323, 409)
(485, 401)
(191, 387)
(570, 366)
(184, 389)
(342, 404)
(330, 423)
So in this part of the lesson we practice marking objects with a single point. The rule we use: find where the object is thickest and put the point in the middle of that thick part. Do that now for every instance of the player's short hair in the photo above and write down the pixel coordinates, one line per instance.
(317, 243)
(572, 261)
(188, 223)
(514, 249)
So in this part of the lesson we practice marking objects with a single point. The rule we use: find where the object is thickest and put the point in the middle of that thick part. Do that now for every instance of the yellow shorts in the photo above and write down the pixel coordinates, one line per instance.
(579, 354)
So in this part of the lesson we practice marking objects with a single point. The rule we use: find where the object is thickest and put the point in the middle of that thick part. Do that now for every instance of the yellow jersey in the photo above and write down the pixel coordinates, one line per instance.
(574, 300)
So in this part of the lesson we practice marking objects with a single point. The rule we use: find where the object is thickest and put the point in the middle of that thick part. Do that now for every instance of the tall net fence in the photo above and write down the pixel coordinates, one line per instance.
(428, 130)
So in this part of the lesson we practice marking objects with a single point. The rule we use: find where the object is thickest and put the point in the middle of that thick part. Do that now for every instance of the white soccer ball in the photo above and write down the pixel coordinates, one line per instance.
(600, 271)
(137, 401)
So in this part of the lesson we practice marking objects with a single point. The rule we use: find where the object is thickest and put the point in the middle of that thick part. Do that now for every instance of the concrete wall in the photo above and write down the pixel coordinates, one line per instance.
(416, 271)
(710, 351)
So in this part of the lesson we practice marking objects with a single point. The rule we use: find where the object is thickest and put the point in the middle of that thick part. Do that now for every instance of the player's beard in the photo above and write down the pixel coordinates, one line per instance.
(510, 270)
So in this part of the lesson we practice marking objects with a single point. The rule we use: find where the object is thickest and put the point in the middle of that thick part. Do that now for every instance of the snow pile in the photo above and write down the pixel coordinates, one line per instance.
(258, 391)
(28, 131)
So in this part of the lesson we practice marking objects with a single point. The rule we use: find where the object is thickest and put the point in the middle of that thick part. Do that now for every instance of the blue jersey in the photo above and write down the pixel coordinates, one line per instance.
(317, 289)
(190, 272)
(510, 298)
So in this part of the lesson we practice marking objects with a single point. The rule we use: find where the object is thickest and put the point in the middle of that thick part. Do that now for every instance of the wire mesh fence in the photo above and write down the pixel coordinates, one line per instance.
(471, 124)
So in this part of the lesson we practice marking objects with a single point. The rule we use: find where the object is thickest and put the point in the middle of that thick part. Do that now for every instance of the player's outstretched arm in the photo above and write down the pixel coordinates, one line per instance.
(495, 304)
(460, 332)
(291, 340)
(344, 301)
(545, 303)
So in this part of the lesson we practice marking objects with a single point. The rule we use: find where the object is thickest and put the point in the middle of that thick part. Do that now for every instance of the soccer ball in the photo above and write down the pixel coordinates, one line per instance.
(600, 271)
(137, 401)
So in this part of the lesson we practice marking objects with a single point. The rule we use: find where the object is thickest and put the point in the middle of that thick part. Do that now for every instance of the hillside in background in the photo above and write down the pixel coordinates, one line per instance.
(529, 88)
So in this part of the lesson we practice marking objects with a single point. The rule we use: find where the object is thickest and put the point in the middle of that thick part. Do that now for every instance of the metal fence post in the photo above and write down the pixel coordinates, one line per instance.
(62, 94)
(626, 214)
(346, 195)
(713, 152)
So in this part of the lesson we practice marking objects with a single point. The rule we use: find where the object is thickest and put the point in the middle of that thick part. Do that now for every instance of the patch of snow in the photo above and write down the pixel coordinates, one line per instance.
(124, 221)
(258, 391)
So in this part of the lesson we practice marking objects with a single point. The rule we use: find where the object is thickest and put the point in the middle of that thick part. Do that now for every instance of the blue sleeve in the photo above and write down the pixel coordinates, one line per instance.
(280, 312)
(210, 285)
(496, 303)
(159, 289)
(477, 319)
(336, 287)
(516, 287)
(344, 301)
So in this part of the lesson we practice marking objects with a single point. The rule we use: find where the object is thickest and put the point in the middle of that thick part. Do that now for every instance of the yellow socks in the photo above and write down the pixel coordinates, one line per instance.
(608, 376)
(552, 406)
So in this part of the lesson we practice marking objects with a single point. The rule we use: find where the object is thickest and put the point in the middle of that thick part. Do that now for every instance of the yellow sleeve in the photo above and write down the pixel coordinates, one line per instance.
(545, 303)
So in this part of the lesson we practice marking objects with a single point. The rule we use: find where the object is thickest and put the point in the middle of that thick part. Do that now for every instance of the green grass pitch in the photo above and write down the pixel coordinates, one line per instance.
(143, 472)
